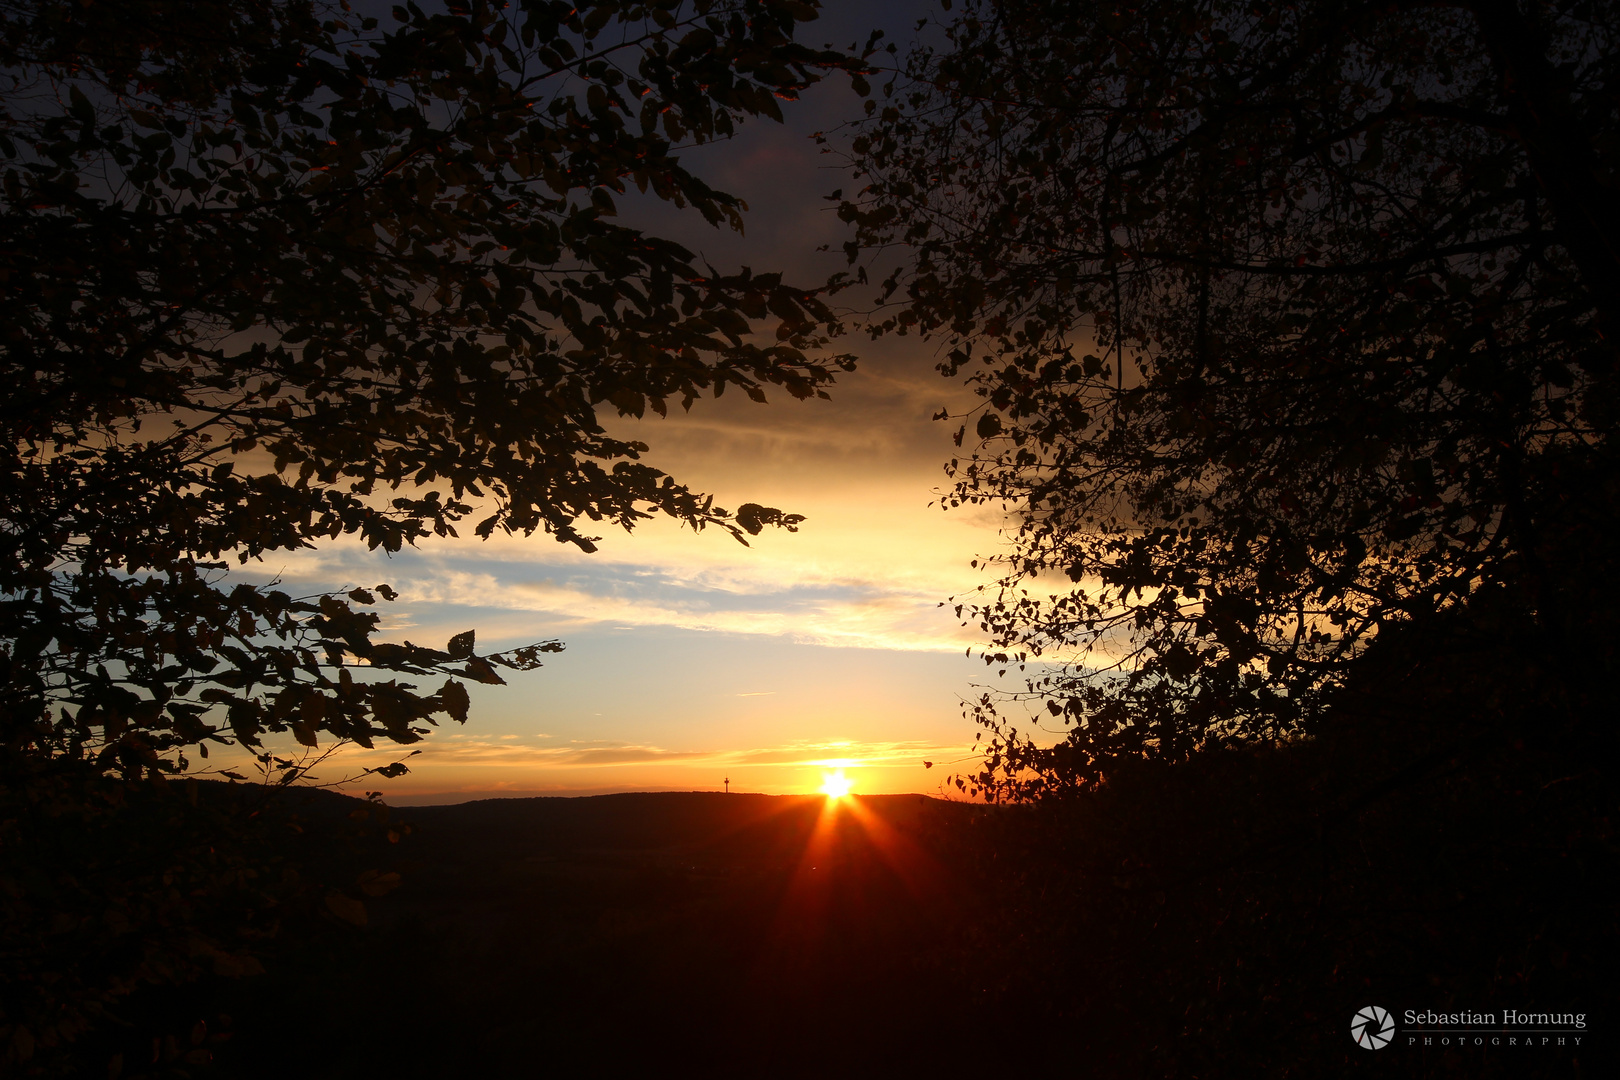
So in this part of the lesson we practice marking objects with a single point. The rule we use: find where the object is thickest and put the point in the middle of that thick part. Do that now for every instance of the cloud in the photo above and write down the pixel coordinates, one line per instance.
(871, 587)
(866, 569)
(489, 753)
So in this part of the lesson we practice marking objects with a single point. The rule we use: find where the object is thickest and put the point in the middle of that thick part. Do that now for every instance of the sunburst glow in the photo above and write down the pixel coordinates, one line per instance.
(835, 785)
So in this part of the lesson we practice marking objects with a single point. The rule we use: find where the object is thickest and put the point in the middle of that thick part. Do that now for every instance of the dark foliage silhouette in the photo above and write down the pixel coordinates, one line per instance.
(1293, 325)
(277, 273)
(273, 273)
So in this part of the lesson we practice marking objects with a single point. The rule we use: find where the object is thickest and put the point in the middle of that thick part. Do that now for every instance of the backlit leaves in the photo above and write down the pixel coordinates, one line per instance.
(273, 273)
(1292, 324)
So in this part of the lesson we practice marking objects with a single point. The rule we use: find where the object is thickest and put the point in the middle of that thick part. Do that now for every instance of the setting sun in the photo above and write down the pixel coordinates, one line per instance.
(835, 785)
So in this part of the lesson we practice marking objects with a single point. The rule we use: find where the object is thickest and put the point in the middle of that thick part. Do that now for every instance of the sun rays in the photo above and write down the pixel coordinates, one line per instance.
(835, 785)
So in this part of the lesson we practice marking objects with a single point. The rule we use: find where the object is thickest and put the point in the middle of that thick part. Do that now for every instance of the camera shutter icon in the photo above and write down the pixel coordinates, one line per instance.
(1372, 1028)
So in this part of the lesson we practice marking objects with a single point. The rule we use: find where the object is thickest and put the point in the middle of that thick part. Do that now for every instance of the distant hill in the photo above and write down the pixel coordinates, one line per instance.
(647, 934)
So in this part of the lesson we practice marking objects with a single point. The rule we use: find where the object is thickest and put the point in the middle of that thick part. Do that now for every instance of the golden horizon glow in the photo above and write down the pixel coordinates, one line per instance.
(801, 654)
(835, 785)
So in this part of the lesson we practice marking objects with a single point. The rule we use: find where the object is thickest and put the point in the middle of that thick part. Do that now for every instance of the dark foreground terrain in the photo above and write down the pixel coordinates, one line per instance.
(1222, 918)
(647, 934)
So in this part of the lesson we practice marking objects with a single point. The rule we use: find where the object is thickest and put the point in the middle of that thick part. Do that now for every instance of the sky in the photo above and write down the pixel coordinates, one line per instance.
(691, 659)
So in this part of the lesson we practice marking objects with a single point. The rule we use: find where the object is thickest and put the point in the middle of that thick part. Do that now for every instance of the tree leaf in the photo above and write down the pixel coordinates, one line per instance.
(346, 908)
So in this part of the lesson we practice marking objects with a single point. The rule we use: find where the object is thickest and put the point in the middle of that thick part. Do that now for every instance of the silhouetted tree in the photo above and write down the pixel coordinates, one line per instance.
(274, 273)
(1293, 323)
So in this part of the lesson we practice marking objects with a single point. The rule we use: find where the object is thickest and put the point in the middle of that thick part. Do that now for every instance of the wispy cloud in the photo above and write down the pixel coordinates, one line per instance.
(821, 608)
(596, 754)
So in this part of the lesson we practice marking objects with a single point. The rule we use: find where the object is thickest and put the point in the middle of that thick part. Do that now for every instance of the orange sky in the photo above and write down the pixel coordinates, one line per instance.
(691, 658)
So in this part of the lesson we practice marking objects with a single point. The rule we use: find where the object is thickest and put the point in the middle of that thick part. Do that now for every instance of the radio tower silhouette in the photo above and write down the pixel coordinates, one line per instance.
(728, 785)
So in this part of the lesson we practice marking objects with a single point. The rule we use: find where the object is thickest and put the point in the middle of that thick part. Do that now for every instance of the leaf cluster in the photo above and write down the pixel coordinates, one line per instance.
(1291, 324)
(279, 272)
